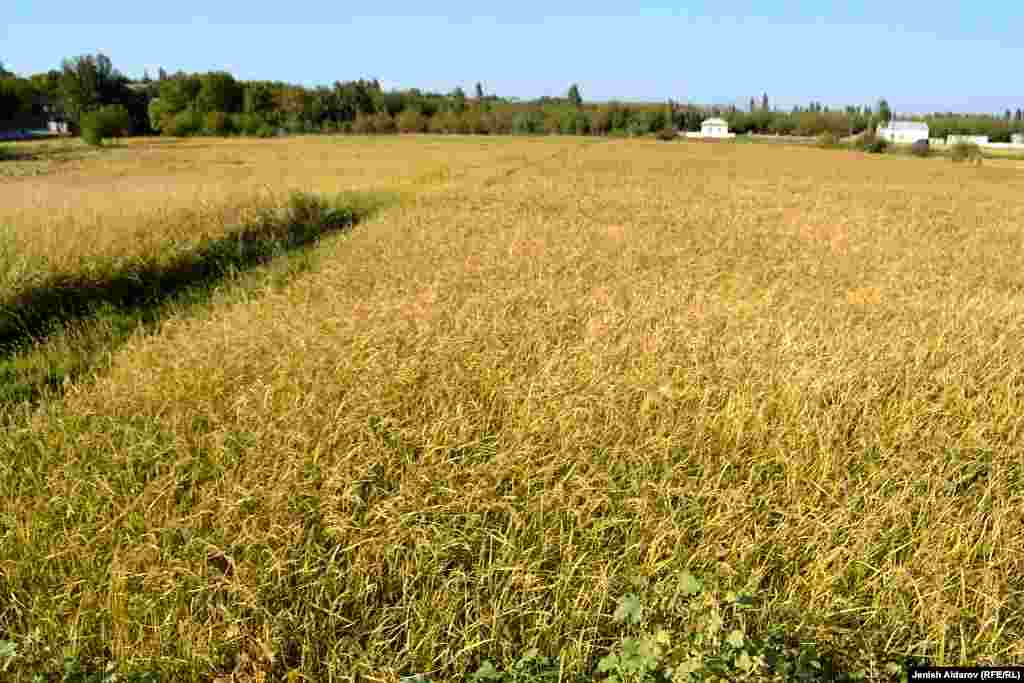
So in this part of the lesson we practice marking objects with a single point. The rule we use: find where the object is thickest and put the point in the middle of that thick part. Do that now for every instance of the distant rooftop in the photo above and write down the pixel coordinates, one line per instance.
(714, 122)
(907, 125)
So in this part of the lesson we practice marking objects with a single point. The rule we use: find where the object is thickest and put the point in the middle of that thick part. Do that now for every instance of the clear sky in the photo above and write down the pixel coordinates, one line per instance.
(921, 56)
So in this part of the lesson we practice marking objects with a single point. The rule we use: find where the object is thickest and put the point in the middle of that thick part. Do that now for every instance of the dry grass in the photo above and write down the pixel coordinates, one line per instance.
(559, 364)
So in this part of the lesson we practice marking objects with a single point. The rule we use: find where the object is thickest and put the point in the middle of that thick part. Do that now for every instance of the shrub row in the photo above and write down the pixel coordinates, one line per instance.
(469, 122)
(868, 142)
(111, 121)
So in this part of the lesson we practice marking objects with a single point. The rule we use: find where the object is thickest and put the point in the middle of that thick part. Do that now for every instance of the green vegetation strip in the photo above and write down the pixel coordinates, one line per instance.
(715, 644)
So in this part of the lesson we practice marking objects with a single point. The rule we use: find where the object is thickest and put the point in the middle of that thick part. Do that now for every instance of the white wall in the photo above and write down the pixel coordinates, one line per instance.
(1004, 145)
(975, 139)
(716, 132)
(902, 137)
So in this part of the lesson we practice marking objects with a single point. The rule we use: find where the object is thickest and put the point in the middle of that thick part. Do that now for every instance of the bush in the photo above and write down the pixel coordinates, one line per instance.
(91, 134)
(293, 126)
(921, 148)
(527, 123)
(965, 151)
(575, 123)
(667, 134)
(157, 114)
(552, 124)
(412, 121)
(183, 124)
(656, 120)
(600, 122)
(249, 124)
(475, 122)
(639, 125)
(384, 124)
(237, 122)
(873, 144)
(435, 124)
(363, 125)
(461, 123)
(500, 122)
(112, 121)
(217, 123)
(828, 140)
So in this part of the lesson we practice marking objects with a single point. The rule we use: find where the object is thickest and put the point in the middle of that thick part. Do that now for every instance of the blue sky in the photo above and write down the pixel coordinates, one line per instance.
(922, 56)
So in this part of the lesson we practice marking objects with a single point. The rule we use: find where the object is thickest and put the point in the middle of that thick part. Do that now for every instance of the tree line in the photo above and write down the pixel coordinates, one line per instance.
(94, 98)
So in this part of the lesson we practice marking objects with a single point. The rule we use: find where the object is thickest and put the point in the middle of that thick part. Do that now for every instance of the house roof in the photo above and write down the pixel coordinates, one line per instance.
(714, 122)
(907, 125)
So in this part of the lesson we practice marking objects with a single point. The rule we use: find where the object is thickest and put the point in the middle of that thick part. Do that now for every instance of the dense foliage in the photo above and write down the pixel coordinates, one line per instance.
(109, 121)
(215, 103)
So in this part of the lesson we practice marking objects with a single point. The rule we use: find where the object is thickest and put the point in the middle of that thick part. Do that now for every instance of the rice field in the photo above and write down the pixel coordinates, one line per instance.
(545, 374)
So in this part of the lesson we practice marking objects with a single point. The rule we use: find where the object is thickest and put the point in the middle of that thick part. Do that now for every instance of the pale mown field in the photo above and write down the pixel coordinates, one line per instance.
(553, 366)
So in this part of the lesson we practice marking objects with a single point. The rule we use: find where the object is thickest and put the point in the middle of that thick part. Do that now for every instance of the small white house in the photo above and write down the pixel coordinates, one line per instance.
(715, 128)
(969, 139)
(903, 132)
(58, 127)
(1017, 138)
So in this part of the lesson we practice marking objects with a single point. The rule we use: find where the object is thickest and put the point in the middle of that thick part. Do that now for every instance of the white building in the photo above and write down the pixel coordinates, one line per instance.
(969, 139)
(713, 128)
(903, 132)
(1017, 138)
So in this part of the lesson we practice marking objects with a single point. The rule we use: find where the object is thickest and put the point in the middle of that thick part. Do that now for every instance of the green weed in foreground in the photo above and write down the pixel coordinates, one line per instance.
(696, 635)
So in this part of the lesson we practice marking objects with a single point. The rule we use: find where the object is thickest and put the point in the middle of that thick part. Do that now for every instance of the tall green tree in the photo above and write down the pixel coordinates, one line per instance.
(356, 97)
(81, 82)
(219, 91)
(89, 81)
(16, 98)
(458, 100)
(575, 99)
(180, 92)
(764, 102)
(884, 112)
(479, 92)
(258, 98)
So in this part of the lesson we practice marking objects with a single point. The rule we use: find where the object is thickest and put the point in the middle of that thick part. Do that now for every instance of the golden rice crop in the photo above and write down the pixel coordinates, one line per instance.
(559, 364)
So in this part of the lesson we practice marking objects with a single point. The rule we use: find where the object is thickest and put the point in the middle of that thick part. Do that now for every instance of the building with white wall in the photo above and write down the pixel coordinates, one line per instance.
(903, 132)
(713, 128)
(969, 139)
